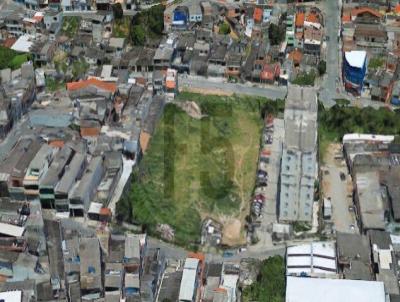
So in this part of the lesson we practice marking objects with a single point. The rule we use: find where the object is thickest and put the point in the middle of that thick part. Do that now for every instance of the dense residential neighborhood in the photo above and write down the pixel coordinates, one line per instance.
(199, 150)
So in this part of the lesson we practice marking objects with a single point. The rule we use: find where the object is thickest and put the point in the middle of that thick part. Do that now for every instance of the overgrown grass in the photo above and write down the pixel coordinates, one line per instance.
(376, 62)
(11, 59)
(196, 168)
(18, 60)
(121, 27)
(70, 26)
(305, 78)
(53, 84)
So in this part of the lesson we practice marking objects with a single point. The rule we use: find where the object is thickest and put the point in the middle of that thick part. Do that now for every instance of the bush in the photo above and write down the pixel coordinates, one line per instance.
(321, 67)
(305, 78)
(224, 29)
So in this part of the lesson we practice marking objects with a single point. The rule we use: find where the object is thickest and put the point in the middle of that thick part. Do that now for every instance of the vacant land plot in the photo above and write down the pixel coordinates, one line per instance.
(198, 168)
(70, 26)
(121, 27)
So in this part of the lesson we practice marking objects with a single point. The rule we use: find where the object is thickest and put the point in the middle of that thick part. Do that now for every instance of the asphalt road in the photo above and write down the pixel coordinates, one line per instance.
(332, 25)
(174, 252)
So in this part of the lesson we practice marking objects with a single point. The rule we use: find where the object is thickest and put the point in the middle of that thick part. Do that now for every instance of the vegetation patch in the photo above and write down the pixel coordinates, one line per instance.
(121, 27)
(198, 168)
(53, 84)
(376, 62)
(270, 284)
(342, 119)
(70, 26)
(305, 78)
(11, 59)
(147, 24)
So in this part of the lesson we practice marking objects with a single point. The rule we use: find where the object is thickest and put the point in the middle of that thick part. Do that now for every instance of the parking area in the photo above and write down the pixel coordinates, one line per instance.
(271, 164)
(337, 185)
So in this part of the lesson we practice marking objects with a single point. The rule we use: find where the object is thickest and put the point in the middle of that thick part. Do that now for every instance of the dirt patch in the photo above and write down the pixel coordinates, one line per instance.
(231, 234)
(191, 108)
(218, 92)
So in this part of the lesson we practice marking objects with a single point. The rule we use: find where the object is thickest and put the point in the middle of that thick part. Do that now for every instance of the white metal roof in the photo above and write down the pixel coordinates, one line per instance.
(191, 263)
(367, 137)
(95, 207)
(23, 44)
(188, 283)
(356, 58)
(333, 290)
(311, 258)
(11, 230)
(11, 296)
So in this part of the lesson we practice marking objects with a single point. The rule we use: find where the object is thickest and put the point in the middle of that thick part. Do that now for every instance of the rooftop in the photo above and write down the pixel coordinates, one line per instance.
(356, 58)
(333, 290)
(110, 87)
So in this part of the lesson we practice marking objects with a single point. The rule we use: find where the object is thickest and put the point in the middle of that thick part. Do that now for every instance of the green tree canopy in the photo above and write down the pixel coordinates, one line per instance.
(117, 11)
(138, 35)
(224, 29)
(276, 34)
(270, 285)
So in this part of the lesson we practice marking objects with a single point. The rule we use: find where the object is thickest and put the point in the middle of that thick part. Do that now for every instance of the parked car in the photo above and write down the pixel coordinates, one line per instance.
(242, 249)
(227, 254)
(351, 209)
(352, 227)
(342, 176)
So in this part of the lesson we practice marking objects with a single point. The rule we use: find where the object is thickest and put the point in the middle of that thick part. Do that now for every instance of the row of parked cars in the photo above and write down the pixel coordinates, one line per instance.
(262, 171)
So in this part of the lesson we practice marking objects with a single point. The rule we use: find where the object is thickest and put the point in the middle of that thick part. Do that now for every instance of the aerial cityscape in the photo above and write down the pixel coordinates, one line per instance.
(200, 150)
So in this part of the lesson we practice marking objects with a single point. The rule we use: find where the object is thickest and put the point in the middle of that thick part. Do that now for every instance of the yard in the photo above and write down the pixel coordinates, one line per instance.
(198, 168)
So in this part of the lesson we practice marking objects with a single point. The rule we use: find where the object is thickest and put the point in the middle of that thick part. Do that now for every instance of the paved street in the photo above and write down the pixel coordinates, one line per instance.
(328, 89)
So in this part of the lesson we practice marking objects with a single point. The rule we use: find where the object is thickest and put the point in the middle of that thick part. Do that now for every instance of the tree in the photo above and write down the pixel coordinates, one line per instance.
(270, 285)
(155, 16)
(276, 34)
(321, 67)
(117, 11)
(138, 35)
(224, 29)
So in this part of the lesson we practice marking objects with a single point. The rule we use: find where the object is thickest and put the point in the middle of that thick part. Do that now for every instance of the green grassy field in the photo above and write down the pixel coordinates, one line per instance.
(199, 168)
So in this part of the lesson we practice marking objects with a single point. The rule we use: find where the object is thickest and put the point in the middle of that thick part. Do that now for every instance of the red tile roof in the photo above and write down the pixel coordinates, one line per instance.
(312, 17)
(397, 9)
(9, 42)
(362, 10)
(300, 19)
(346, 18)
(111, 87)
(258, 13)
(296, 56)
(270, 71)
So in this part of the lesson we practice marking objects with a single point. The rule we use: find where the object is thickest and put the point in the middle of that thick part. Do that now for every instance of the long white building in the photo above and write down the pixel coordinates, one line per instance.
(299, 158)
